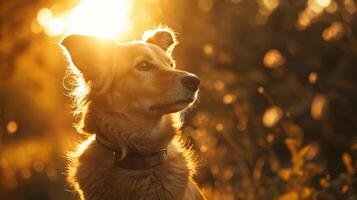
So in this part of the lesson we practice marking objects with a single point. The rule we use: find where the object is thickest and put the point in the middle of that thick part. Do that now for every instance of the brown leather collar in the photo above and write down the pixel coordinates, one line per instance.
(133, 160)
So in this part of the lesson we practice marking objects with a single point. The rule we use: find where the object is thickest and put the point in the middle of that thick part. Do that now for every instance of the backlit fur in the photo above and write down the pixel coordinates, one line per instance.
(112, 96)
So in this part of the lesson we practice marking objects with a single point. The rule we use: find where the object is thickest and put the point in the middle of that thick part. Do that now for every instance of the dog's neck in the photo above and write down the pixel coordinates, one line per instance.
(139, 133)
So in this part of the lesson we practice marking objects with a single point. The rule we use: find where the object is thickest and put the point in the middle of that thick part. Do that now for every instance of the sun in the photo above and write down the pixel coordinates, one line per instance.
(100, 18)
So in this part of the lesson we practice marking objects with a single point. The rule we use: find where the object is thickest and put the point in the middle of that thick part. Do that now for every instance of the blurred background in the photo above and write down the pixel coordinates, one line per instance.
(276, 118)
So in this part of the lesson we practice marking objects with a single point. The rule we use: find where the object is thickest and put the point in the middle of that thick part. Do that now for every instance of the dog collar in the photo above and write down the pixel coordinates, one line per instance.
(133, 160)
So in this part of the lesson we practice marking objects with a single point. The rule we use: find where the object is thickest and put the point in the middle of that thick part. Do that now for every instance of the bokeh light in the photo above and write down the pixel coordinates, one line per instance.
(273, 58)
(318, 106)
(11, 127)
(272, 116)
(334, 32)
(313, 76)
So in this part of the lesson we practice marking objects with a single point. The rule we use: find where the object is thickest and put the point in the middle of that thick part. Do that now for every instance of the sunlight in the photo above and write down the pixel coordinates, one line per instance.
(323, 3)
(106, 19)
(56, 26)
(100, 18)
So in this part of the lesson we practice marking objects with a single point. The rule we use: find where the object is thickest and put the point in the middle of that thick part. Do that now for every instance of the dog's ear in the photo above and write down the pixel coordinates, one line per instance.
(93, 57)
(162, 37)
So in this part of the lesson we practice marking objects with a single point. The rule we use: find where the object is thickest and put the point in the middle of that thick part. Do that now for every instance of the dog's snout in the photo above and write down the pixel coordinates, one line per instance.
(190, 82)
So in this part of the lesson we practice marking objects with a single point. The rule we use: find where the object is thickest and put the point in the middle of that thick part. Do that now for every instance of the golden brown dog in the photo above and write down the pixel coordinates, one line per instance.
(130, 96)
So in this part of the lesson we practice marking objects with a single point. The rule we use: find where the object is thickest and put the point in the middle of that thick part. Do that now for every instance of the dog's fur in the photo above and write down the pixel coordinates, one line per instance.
(127, 101)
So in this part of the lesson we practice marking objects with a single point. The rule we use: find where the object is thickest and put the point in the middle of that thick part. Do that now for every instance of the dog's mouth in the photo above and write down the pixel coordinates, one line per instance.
(170, 105)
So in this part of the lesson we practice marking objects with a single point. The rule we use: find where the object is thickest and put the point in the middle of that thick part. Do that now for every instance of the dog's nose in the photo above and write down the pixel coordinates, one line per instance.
(191, 82)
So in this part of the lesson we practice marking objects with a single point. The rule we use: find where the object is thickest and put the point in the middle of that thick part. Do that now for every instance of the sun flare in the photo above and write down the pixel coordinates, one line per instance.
(100, 18)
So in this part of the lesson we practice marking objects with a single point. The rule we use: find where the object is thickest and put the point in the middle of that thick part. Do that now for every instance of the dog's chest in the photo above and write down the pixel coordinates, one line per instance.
(98, 178)
(155, 184)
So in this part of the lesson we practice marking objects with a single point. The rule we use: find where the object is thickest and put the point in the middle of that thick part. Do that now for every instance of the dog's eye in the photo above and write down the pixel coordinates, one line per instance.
(144, 66)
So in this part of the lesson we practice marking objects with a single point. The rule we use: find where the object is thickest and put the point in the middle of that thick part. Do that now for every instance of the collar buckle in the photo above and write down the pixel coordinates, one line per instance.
(164, 152)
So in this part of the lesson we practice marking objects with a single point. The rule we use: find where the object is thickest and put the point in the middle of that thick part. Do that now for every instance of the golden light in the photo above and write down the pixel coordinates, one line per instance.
(203, 148)
(44, 16)
(218, 85)
(334, 32)
(347, 161)
(11, 127)
(315, 6)
(229, 98)
(323, 3)
(56, 26)
(313, 77)
(313, 9)
(273, 58)
(100, 18)
(318, 106)
(305, 18)
(208, 49)
(271, 4)
(219, 127)
(272, 116)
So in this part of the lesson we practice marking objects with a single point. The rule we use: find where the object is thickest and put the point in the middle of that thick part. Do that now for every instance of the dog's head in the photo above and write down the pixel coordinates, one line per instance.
(136, 77)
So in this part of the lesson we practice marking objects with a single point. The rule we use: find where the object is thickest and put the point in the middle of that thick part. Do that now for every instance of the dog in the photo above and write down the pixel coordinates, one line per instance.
(130, 98)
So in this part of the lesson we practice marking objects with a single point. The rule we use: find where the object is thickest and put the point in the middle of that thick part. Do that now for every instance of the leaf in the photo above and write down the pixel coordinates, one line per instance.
(285, 174)
(347, 161)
